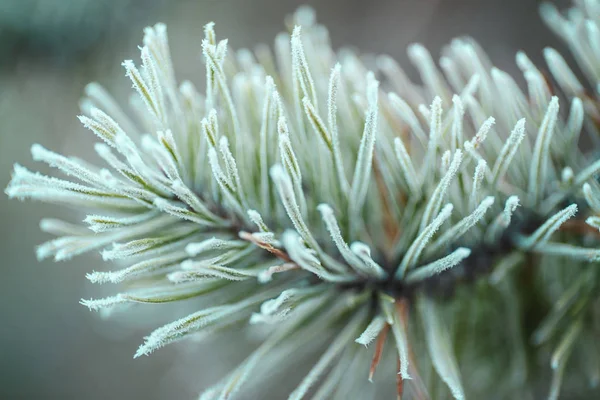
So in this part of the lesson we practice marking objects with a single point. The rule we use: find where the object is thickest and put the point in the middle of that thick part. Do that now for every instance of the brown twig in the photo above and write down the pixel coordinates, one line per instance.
(390, 225)
(266, 246)
(378, 351)
(579, 226)
(399, 382)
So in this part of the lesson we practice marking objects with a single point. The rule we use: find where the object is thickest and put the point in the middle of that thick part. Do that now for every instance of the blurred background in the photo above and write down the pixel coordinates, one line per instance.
(50, 346)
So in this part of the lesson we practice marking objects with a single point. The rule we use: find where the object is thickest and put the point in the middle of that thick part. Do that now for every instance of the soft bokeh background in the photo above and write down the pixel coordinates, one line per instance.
(50, 346)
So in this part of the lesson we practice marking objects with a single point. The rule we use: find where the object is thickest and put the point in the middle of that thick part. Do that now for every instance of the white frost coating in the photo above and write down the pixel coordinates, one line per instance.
(147, 95)
(257, 219)
(459, 229)
(508, 151)
(96, 305)
(408, 116)
(273, 310)
(317, 123)
(480, 171)
(99, 98)
(543, 233)
(371, 331)
(438, 266)
(334, 81)
(510, 206)
(227, 187)
(349, 256)
(210, 272)
(231, 167)
(502, 221)
(139, 269)
(267, 275)
(435, 127)
(364, 253)
(541, 153)
(290, 162)
(69, 166)
(457, 123)
(417, 247)
(181, 212)
(445, 161)
(102, 125)
(193, 322)
(407, 167)
(300, 66)
(185, 194)
(100, 223)
(435, 201)
(307, 260)
(286, 193)
(364, 161)
(400, 333)
(197, 248)
(482, 133)
(267, 126)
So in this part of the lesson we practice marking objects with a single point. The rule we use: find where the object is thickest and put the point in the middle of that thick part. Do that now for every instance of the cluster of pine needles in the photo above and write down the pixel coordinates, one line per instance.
(453, 226)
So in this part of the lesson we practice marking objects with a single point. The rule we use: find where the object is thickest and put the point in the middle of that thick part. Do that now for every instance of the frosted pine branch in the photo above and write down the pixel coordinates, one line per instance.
(300, 193)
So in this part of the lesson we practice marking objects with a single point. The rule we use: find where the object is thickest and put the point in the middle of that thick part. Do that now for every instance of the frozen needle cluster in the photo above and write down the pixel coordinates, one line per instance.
(452, 226)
